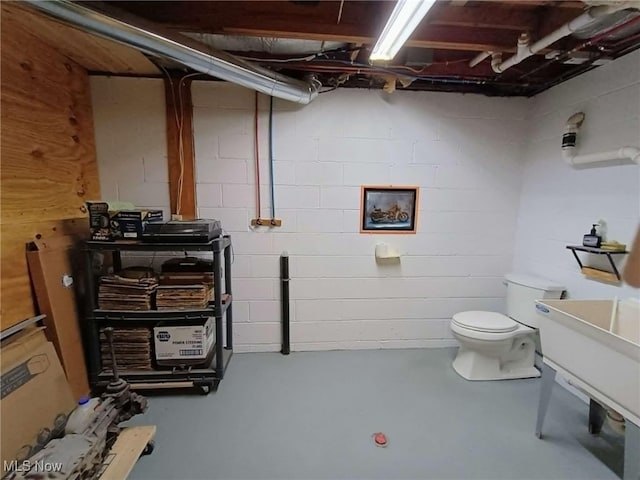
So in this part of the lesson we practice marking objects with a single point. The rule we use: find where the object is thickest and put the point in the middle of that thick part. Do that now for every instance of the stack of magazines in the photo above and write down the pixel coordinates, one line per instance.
(132, 347)
(183, 297)
(120, 293)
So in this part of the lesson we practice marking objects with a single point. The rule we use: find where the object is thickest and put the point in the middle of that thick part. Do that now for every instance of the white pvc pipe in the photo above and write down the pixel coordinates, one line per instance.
(623, 153)
(479, 58)
(567, 29)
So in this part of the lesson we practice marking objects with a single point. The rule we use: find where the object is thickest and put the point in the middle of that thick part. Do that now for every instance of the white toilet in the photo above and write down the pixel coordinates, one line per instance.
(494, 346)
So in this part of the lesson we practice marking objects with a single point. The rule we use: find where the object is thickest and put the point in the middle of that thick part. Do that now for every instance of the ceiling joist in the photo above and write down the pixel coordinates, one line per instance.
(452, 34)
(478, 27)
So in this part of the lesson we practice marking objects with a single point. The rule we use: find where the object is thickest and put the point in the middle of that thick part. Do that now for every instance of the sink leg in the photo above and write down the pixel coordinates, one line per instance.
(548, 379)
(631, 449)
(597, 415)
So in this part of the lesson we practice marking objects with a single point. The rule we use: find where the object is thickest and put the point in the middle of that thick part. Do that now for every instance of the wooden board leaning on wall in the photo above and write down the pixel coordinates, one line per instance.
(18, 301)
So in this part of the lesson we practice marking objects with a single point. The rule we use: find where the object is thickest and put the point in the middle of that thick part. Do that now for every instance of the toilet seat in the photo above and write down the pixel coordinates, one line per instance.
(486, 322)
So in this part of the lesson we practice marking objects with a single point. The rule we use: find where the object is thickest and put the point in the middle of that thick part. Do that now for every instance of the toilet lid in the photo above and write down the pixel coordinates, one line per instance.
(485, 321)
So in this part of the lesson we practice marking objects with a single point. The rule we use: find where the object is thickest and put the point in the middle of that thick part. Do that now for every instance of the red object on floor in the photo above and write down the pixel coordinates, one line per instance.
(380, 439)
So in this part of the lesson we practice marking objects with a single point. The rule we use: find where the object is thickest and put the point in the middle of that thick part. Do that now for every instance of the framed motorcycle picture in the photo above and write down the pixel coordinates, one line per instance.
(388, 209)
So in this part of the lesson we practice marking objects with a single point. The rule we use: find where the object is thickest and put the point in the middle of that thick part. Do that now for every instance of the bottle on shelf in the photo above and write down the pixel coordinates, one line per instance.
(592, 239)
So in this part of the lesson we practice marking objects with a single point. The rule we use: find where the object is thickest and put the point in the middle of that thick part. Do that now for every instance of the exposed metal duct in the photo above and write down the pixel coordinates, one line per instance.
(138, 34)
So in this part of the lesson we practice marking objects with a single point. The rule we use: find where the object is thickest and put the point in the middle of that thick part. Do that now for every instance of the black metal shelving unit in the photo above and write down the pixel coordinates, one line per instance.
(597, 251)
(206, 377)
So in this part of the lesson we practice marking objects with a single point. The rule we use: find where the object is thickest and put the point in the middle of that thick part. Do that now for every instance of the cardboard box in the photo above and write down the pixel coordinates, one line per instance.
(129, 224)
(99, 221)
(184, 344)
(109, 221)
(36, 397)
(54, 284)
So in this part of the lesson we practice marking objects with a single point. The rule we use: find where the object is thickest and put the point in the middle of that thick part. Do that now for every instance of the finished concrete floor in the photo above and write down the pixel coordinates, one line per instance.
(311, 416)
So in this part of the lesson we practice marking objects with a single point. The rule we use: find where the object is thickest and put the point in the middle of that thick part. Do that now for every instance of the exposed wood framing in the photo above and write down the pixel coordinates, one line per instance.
(506, 17)
(478, 26)
(180, 150)
(435, 36)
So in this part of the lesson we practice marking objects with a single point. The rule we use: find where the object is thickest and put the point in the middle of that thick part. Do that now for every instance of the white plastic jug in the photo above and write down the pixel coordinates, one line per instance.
(83, 415)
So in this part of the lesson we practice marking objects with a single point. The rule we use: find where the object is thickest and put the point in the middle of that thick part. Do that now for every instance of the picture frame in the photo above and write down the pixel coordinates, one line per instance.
(389, 209)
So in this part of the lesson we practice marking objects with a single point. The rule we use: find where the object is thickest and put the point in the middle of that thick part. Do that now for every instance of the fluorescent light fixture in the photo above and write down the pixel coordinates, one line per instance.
(404, 19)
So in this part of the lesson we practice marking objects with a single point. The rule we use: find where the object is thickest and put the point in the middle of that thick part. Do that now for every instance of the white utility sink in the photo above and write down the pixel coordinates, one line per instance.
(595, 344)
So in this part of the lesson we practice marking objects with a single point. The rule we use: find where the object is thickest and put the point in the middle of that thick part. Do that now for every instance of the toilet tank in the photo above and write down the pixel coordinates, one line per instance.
(523, 291)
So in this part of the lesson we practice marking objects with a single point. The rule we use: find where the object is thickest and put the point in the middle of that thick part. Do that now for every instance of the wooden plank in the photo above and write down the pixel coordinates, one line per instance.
(428, 36)
(180, 150)
(15, 284)
(600, 275)
(49, 167)
(90, 51)
(575, 4)
(126, 450)
(481, 16)
(49, 262)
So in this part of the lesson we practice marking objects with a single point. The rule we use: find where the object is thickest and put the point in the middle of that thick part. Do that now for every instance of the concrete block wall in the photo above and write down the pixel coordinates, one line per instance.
(131, 140)
(463, 152)
(559, 202)
(491, 176)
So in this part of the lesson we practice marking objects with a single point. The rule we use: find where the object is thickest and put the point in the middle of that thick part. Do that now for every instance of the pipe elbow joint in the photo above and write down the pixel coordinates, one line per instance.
(496, 62)
(632, 153)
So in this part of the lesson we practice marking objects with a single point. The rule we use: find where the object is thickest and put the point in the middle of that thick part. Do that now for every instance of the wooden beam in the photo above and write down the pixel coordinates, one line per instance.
(126, 451)
(476, 27)
(504, 17)
(575, 4)
(180, 150)
(428, 36)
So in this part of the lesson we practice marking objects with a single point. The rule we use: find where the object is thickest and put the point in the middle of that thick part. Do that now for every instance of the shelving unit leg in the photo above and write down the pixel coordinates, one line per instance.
(227, 285)
(217, 281)
(91, 331)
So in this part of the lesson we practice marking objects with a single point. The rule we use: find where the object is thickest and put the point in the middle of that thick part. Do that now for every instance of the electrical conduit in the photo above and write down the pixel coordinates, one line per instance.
(271, 180)
(256, 142)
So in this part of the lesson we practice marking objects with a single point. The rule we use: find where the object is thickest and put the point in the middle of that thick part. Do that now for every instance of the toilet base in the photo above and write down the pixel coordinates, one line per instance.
(472, 365)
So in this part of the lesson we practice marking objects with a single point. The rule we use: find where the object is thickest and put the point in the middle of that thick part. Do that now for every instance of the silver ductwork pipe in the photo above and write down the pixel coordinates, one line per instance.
(137, 33)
